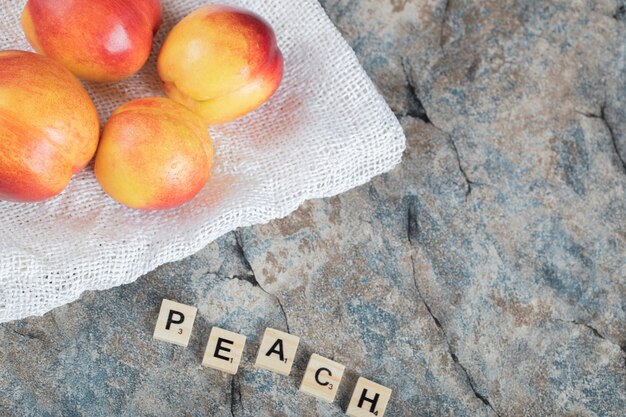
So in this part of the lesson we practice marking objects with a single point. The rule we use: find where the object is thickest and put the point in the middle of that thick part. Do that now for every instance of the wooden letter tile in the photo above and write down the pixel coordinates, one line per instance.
(277, 351)
(322, 378)
(223, 351)
(368, 400)
(175, 323)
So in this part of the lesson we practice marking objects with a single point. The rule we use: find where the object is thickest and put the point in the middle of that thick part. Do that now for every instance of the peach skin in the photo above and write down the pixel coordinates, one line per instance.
(98, 40)
(221, 62)
(153, 154)
(48, 127)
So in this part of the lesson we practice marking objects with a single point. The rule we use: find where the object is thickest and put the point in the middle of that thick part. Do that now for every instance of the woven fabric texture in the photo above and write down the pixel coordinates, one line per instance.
(325, 131)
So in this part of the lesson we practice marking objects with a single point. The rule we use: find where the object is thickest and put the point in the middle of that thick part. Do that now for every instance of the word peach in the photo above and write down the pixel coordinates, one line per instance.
(277, 351)
(222, 62)
(98, 40)
(153, 154)
(49, 127)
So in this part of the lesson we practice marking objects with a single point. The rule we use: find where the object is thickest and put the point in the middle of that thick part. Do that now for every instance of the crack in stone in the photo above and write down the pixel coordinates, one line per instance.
(470, 381)
(620, 13)
(602, 117)
(27, 335)
(416, 108)
(469, 184)
(412, 226)
(597, 334)
(444, 18)
(590, 327)
(419, 112)
(412, 231)
(56, 324)
(40, 337)
(235, 396)
(613, 139)
(251, 278)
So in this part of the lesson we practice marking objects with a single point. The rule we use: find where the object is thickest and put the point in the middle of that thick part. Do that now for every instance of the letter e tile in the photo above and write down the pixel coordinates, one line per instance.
(223, 351)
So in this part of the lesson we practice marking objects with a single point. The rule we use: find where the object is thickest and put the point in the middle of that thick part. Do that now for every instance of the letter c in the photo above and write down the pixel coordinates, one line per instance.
(317, 376)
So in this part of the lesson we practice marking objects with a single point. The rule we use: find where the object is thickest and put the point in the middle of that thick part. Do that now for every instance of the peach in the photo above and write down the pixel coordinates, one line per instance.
(153, 154)
(49, 127)
(221, 62)
(98, 40)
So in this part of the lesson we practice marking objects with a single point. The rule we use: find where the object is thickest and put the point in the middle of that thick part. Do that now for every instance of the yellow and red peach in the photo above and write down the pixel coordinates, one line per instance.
(153, 154)
(98, 40)
(48, 127)
(221, 62)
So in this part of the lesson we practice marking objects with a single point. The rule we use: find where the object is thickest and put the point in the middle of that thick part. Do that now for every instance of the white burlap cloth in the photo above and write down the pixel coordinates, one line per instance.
(325, 131)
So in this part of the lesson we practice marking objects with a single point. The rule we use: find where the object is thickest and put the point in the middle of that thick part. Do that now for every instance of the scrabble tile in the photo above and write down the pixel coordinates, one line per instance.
(322, 378)
(277, 351)
(174, 323)
(369, 399)
(224, 350)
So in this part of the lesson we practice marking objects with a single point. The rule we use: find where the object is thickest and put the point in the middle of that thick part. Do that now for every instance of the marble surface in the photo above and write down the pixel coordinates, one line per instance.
(482, 276)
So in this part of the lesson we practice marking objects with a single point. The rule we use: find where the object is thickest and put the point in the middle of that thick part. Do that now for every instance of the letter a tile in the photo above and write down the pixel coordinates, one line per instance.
(277, 351)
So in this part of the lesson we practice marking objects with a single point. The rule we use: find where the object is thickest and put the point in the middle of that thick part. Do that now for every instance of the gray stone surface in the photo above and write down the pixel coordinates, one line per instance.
(483, 276)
